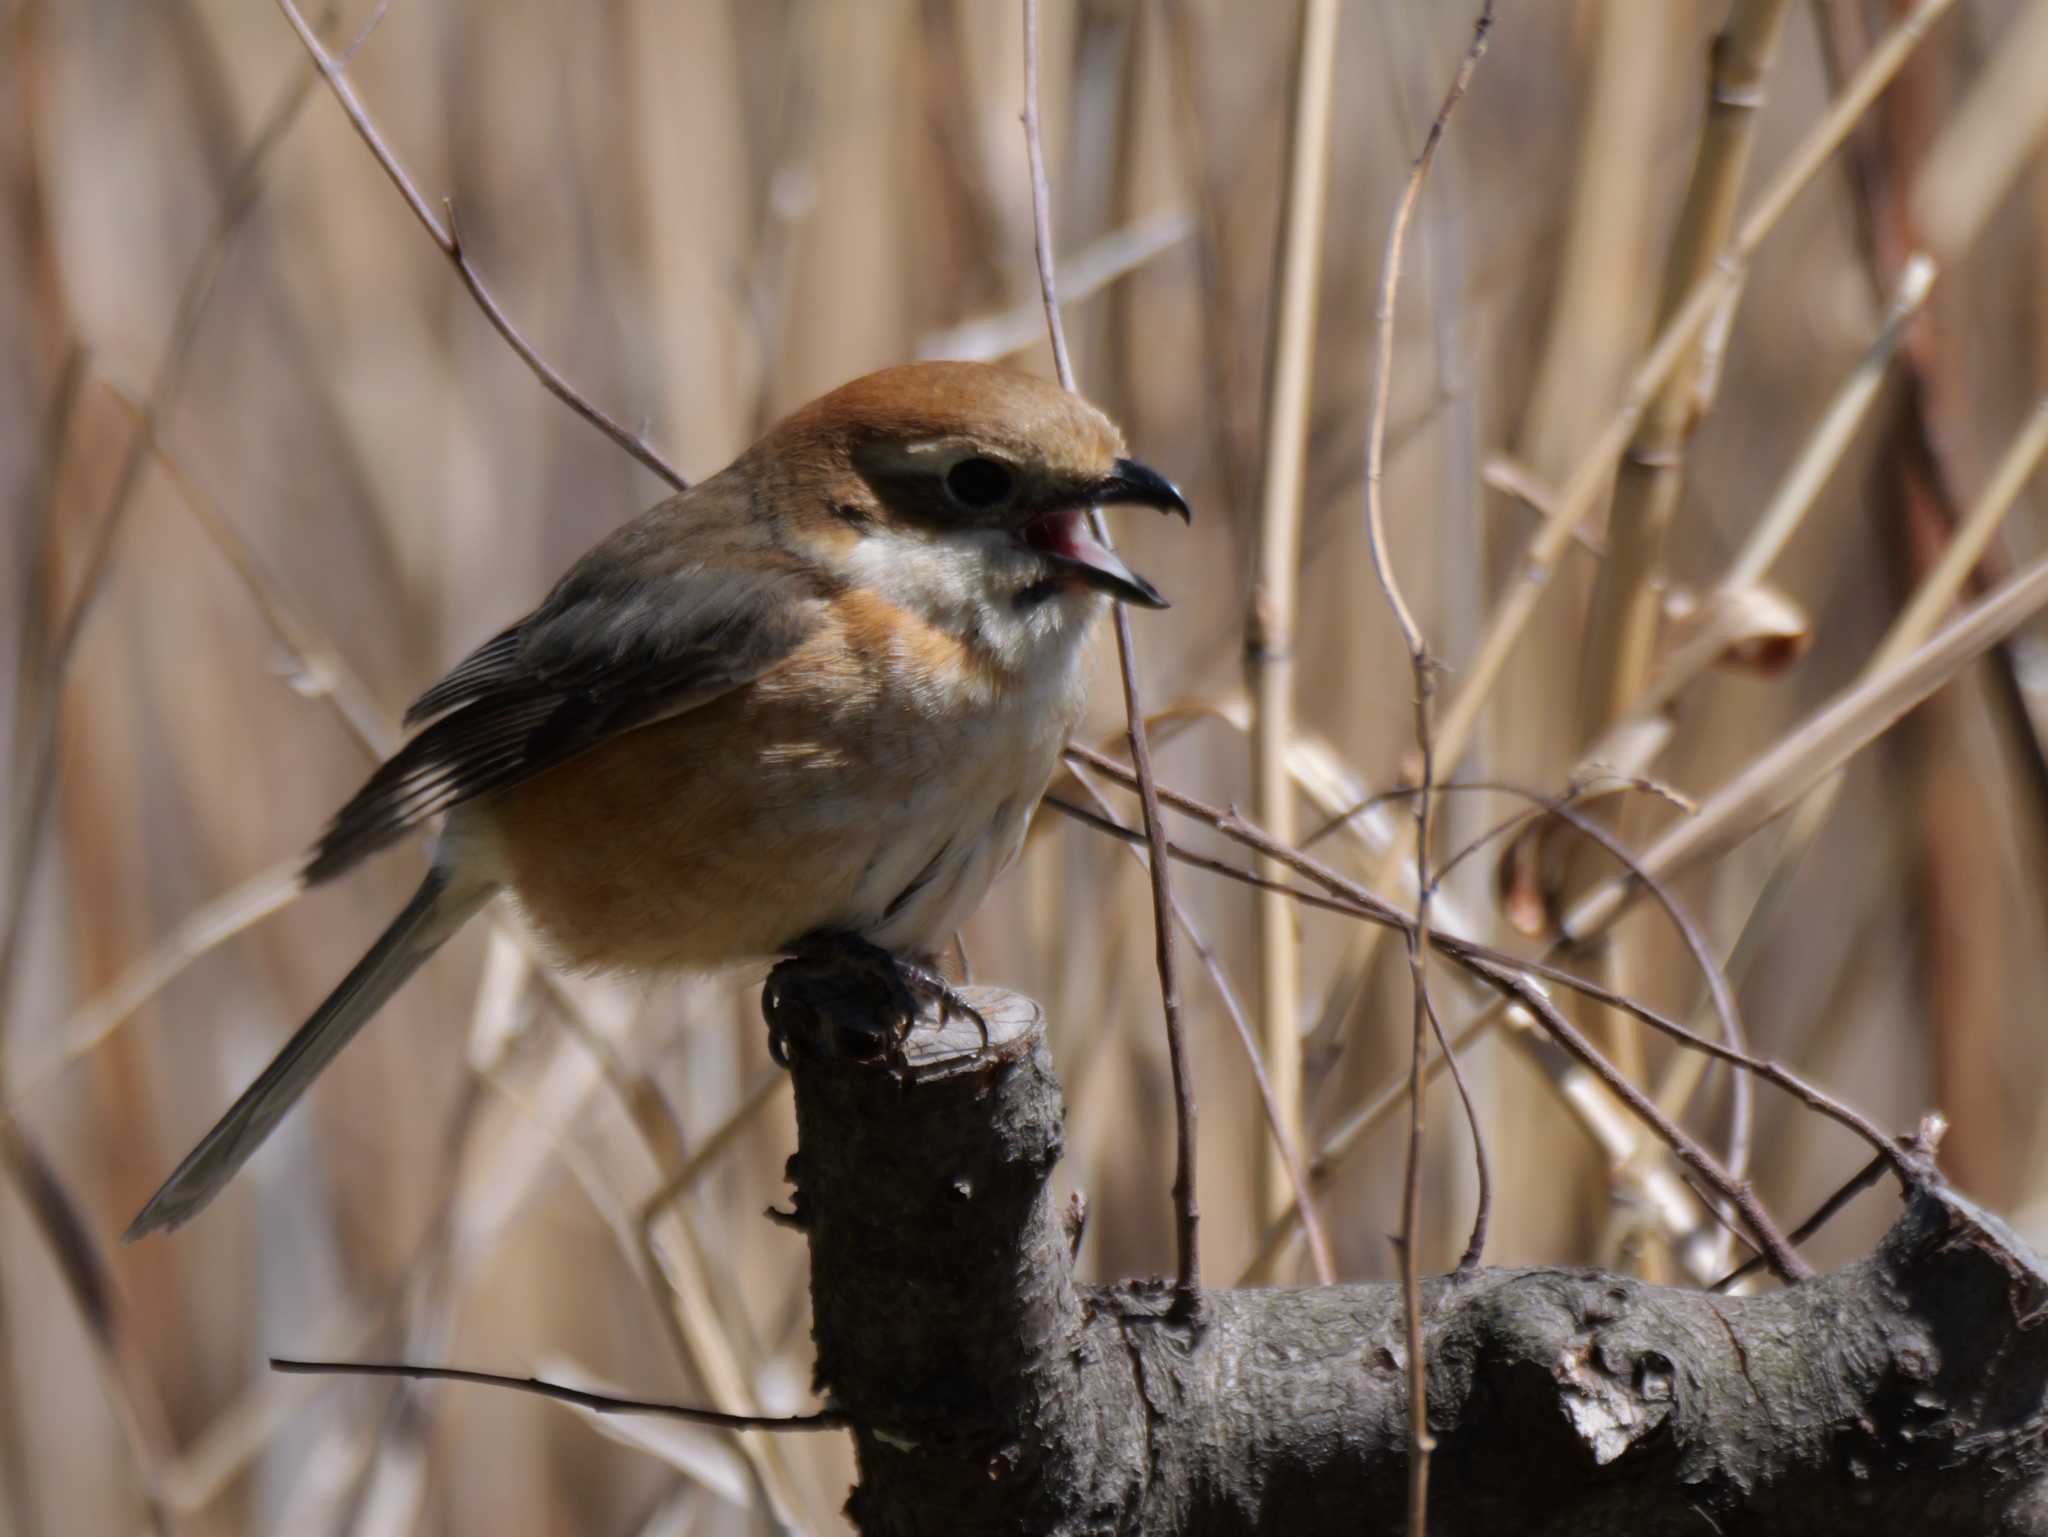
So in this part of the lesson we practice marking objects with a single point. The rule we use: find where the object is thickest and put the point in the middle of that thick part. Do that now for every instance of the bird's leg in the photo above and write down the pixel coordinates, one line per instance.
(867, 984)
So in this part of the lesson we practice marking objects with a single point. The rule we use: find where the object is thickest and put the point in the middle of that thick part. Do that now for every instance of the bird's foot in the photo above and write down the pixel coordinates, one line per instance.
(927, 982)
(860, 1000)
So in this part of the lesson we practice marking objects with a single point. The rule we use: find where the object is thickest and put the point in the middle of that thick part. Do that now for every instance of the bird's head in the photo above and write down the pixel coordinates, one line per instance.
(964, 486)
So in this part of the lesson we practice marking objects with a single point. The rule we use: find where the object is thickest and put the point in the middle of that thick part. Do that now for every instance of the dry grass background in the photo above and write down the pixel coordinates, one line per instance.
(705, 213)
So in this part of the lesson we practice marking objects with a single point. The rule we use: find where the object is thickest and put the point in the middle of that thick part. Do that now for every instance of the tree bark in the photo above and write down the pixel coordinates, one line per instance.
(994, 1393)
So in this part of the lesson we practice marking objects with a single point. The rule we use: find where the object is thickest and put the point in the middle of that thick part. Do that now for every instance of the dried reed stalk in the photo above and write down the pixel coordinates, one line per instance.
(1270, 619)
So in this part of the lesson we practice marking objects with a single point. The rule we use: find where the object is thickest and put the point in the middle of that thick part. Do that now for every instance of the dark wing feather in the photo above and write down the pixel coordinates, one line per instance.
(474, 676)
(638, 631)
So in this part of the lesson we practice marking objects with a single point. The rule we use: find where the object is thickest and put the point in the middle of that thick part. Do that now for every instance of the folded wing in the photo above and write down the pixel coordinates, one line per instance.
(659, 619)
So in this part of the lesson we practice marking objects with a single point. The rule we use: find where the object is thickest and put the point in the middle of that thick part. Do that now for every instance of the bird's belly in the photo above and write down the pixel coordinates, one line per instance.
(731, 832)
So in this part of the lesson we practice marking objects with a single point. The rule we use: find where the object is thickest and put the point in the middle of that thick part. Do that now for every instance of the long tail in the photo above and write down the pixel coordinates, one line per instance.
(440, 907)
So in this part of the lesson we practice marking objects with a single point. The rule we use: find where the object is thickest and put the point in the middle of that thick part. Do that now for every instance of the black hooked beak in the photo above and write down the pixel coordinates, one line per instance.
(1139, 485)
(1064, 539)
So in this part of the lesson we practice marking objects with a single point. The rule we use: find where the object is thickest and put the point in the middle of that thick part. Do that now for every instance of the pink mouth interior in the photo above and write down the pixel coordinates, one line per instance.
(1059, 533)
(1066, 534)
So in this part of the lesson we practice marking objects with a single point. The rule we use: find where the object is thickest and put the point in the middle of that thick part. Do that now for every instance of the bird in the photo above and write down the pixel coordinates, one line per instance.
(807, 706)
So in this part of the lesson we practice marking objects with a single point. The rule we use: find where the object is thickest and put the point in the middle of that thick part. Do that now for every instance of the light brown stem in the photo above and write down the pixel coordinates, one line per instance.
(1269, 622)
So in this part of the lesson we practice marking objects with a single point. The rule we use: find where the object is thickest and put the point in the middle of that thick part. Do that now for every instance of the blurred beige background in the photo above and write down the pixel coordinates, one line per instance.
(704, 214)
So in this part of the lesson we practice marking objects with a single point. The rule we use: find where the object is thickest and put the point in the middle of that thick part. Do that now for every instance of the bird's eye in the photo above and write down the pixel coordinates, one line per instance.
(979, 484)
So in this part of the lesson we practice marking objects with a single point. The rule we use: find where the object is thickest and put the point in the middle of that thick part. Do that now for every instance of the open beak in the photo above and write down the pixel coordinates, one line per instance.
(1064, 540)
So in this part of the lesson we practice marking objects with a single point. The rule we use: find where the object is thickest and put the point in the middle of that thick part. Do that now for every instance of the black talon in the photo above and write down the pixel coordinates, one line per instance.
(882, 986)
(928, 980)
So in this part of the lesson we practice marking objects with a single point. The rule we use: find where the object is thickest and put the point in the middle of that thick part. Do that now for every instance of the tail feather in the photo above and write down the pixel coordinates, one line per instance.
(436, 911)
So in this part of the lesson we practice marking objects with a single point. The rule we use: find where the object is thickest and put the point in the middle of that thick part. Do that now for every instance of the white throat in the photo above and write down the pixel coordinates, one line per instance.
(978, 585)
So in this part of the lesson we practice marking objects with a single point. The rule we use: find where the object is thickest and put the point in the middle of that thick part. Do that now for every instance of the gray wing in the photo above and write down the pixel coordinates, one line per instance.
(642, 628)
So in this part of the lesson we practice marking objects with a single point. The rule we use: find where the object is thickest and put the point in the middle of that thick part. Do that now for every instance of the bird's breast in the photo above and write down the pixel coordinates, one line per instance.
(877, 782)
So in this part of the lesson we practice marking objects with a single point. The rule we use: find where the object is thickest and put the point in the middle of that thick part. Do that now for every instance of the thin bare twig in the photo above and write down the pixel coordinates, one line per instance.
(1188, 1272)
(1921, 1147)
(1288, 1145)
(600, 1403)
(1854, 1186)
(1719, 992)
(1420, 1441)
(365, 32)
(1383, 358)
(1482, 1211)
(1973, 532)
(1521, 485)
(449, 239)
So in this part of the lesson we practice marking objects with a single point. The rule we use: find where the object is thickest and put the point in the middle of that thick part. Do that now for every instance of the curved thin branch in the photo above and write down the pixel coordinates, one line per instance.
(1420, 1442)
(1475, 1246)
(1741, 1112)
(449, 239)
(599, 1403)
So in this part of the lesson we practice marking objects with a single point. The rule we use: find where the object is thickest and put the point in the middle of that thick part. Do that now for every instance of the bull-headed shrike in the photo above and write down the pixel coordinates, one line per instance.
(812, 700)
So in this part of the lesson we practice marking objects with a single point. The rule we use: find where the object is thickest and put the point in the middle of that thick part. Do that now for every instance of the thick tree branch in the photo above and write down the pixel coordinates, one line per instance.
(992, 1391)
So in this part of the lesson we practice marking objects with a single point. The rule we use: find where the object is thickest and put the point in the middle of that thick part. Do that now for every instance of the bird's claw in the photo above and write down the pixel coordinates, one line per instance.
(933, 986)
(891, 988)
